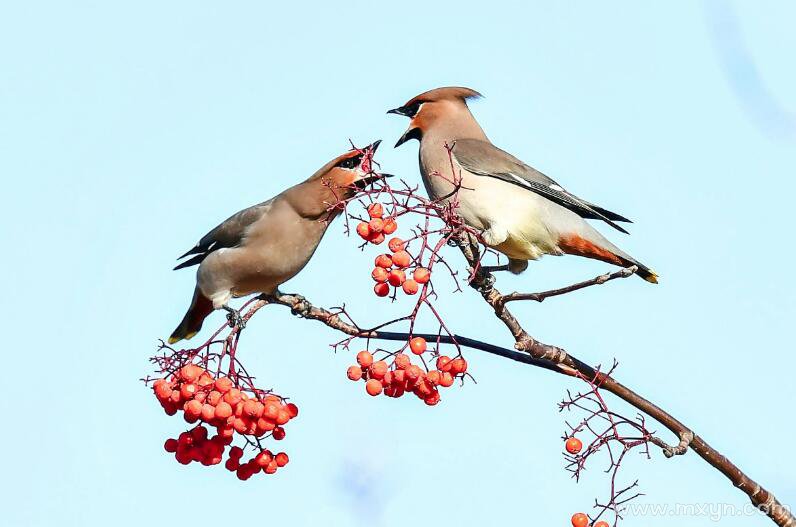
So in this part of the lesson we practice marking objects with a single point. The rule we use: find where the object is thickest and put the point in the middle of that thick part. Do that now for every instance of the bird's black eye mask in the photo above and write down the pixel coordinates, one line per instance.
(351, 162)
(409, 111)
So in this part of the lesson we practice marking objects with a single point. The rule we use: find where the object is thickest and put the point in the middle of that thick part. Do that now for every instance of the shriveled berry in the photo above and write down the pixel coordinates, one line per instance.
(223, 384)
(378, 369)
(458, 366)
(402, 361)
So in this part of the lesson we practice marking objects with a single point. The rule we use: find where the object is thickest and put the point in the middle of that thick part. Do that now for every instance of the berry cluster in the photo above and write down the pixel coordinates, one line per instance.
(581, 520)
(390, 269)
(219, 403)
(375, 230)
(402, 376)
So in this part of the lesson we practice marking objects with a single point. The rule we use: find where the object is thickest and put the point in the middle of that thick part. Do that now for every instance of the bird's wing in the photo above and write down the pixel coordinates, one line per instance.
(485, 159)
(228, 233)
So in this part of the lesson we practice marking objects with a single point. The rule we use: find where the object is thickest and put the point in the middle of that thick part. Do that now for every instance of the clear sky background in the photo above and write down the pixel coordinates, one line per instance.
(127, 130)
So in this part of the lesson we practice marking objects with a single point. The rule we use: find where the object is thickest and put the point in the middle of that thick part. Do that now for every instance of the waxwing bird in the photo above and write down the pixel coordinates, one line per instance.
(261, 247)
(521, 212)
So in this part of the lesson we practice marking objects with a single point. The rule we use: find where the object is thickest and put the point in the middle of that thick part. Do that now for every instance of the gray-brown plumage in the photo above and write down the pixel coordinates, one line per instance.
(261, 247)
(520, 212)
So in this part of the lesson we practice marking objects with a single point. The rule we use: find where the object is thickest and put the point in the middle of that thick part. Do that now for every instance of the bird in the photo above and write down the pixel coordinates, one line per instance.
(519, 211)
(259, 248)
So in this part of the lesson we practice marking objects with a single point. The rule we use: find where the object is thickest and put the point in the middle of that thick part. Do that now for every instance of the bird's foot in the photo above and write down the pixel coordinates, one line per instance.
(234, 318)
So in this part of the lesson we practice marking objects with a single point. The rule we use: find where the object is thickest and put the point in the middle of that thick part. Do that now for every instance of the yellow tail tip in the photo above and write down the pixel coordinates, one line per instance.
(173, 339)
(652, 278)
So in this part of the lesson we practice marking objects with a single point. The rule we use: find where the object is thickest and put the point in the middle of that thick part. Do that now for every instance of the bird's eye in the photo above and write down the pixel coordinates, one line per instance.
(411, 110)
(351, 162)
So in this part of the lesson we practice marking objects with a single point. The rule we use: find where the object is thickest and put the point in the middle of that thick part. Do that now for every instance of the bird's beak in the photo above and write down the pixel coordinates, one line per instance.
(401, 110)
(412, 133)
(374, 146)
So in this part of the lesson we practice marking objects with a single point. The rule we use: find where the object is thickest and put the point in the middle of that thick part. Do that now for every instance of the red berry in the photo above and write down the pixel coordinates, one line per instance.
(236, 452)
(364, 358)
(271, 410)
(363, 229)
(162, 389)
(458, 366)
(232, 464)
(396, 277)
(401, 259)
(390, 226)
(281, 459)
(396, 244)
(193, 409)
(383, 260)
(376, 225)
(402, 361)
(434, 376)
(190, 372)
(446, 379)
(271, 468)
(600, 524)
(380, 274)
(377, 370)
(233, 396)
(432, 399)
(292, 410)
(373, 387)
(417, 345)
(410, 287)
(573, 445)
(375, 210)
(223, 410)
(171, 445)
(223, 384)
(263, 458)
(279, 433)
(376, 238)
(188, 390)
(208, 412)
(354, 373)
(422, 275)
(580, 520)
(381, 289)
(443, 363)
(283, 416)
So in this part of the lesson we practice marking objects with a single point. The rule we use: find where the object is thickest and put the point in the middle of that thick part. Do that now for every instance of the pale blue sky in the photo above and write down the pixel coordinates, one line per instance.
(128, 130)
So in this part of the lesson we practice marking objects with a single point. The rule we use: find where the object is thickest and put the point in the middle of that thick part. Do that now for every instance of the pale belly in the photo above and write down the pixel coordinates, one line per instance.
(519, 223)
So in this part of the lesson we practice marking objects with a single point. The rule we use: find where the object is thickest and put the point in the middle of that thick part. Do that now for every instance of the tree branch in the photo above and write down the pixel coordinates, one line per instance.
(535, 353)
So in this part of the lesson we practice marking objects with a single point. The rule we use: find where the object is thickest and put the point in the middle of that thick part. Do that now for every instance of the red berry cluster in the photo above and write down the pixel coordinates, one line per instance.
(375, 230)
(219, 403)
(402, 376)
(579, 519)
(390, 269)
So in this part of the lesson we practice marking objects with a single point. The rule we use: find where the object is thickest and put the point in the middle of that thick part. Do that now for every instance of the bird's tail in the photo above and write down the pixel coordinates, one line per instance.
(201, 306)
(603, 250)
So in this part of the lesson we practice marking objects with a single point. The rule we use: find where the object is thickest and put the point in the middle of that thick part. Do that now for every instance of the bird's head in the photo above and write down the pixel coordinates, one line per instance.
(338, 180)
(430, 108)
